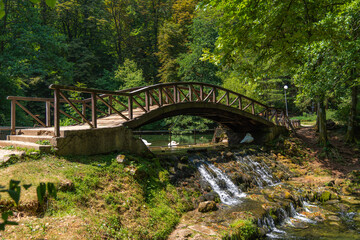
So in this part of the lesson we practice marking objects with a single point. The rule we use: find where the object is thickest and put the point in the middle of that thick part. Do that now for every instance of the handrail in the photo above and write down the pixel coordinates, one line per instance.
(145, 99)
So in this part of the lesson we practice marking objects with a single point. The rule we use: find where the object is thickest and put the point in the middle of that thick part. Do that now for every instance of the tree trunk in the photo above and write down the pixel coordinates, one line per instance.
(322, 124)
(350, 134)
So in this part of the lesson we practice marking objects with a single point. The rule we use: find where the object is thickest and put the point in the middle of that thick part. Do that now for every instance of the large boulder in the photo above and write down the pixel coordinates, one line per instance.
(207, 206)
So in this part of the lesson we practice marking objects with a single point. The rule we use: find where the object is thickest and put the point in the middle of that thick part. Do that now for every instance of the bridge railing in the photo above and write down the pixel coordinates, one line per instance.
(130, 103)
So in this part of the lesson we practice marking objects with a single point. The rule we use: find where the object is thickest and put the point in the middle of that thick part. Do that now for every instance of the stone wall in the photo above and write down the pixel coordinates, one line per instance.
(98, 141)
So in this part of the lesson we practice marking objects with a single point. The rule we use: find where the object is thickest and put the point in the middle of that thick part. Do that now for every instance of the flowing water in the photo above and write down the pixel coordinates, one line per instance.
(291, 224)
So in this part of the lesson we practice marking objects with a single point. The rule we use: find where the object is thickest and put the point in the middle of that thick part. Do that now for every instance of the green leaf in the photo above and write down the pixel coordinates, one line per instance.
(26, 186)
(41, 191)
(51, 3)
(51, 190)
(2, 9)
(35, 1)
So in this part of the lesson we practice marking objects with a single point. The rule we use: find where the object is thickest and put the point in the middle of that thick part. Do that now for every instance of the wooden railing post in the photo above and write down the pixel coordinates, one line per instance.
(240, 103)
(83, 110)
(13, 117)
(214, 95)
(201, 92)
(110, 102)
(93, 110)
(160, 97)
(48, 114)
(227, 98)
(147, 101)
(253, 108)
(130, 107)
(56, 113)
(190, 93)
(175, 94)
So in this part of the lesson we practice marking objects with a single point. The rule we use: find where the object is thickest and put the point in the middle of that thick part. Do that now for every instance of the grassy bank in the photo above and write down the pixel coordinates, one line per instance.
(97, 198)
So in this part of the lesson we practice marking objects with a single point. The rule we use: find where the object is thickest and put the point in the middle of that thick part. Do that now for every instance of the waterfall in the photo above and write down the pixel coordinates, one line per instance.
(260, 172)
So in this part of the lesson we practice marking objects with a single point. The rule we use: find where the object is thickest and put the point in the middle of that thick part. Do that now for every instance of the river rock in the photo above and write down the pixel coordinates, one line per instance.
(207, 206)
(211, 196)
(181, 234)
(333, 218)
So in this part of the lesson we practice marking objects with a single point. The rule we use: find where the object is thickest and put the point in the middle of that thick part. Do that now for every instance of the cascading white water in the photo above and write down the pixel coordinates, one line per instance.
(230, 195)
(260, 171)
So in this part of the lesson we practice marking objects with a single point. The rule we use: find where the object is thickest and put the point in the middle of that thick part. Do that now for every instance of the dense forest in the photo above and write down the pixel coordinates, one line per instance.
(252, 47)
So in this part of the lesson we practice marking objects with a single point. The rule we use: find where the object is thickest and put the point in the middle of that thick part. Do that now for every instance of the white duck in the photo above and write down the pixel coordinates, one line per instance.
(146, 142)
(247, 139)
(172, 143)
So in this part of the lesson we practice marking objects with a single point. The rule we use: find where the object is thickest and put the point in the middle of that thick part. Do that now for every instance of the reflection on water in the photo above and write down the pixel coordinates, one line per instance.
(163, 139)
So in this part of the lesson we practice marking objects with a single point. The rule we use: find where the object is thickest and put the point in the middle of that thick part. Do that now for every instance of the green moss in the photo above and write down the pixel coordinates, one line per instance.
(325, 196)
(242, 230)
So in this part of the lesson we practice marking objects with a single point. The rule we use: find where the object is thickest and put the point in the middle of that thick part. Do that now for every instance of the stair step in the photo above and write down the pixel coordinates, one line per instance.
(28, 145)
(30, 138)
(36, 131)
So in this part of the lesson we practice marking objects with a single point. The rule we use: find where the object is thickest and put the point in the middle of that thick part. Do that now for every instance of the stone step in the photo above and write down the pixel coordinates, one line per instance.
(36, 131)
(30, 138)
(28, 145)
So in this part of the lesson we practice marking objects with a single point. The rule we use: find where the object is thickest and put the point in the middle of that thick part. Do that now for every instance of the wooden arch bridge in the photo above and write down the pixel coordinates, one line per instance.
(103, 116)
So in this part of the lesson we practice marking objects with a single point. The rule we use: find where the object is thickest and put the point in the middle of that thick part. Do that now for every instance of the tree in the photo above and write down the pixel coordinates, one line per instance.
(273, 36)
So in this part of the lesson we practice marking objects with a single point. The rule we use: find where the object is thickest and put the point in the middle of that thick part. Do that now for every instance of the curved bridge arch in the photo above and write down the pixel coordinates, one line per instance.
(138, 106)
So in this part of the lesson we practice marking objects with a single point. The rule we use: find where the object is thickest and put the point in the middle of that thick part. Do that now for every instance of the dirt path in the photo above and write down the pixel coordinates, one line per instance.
(341, 158)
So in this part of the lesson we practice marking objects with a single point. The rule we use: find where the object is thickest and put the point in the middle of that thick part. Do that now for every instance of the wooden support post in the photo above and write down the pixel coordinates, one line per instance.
(48, 114)
(147, 101)
(227, 98)
(240, 103)
(13, 117)
(175, 94)
(160, 97)
(93, 110)
(201, 92)
(252, 108)
(190, 93)
(214, 95)
(56, 113)
(83, 111)
(130, 107)
(110, 103)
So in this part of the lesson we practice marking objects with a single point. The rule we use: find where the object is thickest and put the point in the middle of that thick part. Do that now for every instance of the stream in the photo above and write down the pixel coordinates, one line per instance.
(293, 217)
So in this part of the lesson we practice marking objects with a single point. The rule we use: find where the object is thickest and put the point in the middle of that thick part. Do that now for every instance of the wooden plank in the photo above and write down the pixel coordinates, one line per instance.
(93, 110)
(169, 97)
(185, 97)
(160, 97)
(32, 115)
(48, 113)
(214, 95)
(76, 110)
(13, 117)
(209, 95)
(153, 98)
(196, 93)
(110, 103)
(147, 101)
(222, 97)
(68, 115)
(112, 108)
(56, 113)
(137, 103)
(237, 98)
(126, 107)
(130, 107)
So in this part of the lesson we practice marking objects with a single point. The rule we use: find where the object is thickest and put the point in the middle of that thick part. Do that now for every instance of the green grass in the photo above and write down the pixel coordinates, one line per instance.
(310, 119)
(116, 201)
